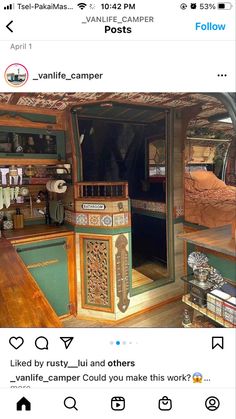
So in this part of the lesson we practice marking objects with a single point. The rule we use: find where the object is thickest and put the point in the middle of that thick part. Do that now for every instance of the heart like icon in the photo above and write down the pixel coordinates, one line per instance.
(16, 343)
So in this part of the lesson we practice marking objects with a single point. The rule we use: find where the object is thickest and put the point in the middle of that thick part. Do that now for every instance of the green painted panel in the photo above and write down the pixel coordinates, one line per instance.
(31, 116)
(32, 221)
(48, 264)
(226, 267)
(102, 231)
(178, 220)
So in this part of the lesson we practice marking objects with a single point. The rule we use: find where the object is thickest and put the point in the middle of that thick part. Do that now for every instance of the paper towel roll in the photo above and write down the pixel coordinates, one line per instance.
(57, 186)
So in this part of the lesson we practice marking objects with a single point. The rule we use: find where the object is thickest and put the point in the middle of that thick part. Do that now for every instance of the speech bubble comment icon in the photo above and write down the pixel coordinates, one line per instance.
(41, 343)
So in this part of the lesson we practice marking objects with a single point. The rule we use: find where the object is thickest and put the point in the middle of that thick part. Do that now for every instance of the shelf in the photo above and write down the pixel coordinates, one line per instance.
(26, 204)
(218, 239)
(8, 161)
(206, 312)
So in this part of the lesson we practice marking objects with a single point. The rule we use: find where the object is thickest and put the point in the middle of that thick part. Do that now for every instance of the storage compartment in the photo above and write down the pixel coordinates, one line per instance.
(32, 143)
(47, 261)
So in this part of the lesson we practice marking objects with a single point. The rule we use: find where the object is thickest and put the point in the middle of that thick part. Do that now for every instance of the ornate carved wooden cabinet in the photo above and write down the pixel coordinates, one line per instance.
(102, 224)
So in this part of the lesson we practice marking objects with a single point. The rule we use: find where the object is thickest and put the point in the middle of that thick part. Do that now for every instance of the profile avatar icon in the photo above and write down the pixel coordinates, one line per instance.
(212, 403)
(16, 75)
(197, 377)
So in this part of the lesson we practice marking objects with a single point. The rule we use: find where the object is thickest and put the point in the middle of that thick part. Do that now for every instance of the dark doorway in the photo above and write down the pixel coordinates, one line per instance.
(114, 151)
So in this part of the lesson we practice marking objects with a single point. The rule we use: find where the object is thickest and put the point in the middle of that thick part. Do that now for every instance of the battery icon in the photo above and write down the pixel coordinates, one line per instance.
(225, 6)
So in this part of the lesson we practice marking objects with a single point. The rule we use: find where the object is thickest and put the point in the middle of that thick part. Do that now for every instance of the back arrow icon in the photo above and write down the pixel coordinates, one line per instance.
(8, 26)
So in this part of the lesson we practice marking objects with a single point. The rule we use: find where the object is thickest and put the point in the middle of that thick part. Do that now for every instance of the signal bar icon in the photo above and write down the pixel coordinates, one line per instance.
(9, 7)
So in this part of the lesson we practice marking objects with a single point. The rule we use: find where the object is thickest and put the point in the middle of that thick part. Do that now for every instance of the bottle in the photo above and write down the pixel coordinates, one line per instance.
(30, 146)
(18, 219)
(17, 144)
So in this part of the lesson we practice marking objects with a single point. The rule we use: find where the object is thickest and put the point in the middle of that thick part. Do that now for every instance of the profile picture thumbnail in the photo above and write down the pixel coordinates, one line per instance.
(16, 75)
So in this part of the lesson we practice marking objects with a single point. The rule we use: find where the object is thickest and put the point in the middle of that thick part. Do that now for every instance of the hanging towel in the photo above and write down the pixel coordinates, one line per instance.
(7, 197)
(56, 211)
(12, 193)
(1, 198)
(17, 189)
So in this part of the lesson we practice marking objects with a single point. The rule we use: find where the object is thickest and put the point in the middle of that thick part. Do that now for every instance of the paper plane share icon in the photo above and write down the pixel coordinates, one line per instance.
(67, 341)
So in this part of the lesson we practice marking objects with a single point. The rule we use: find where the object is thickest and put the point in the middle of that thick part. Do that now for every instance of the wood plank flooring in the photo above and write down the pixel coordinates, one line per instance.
(169, 315)
(146, 271)
(139, 279)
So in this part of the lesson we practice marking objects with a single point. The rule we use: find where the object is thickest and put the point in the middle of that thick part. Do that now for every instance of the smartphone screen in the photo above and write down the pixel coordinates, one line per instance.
(117, 209)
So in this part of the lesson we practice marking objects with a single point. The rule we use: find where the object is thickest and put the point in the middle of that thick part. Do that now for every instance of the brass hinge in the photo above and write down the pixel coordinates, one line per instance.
(72, 308)
(67, 246)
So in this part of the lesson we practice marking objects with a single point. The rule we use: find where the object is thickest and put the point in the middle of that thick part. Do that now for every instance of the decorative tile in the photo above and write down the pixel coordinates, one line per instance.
(106, 220)
(94, 220)
(81, 219)
(126, 218)
(118, 219)
(68, 216)
(179, 211)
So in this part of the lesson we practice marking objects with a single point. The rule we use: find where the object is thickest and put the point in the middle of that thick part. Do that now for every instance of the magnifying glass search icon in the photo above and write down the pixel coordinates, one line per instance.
(70, 403)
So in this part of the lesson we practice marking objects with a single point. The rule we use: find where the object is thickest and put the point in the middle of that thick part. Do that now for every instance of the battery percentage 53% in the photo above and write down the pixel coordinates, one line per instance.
(207, 6)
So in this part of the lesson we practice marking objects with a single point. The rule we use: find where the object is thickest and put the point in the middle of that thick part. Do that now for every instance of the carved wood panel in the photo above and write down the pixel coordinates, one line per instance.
(96, 274)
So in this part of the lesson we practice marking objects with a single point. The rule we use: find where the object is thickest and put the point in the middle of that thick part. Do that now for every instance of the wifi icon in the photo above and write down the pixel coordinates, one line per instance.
(82, 5)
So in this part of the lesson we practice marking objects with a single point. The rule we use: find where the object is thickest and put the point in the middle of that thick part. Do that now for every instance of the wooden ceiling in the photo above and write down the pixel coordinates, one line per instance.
(210, 106)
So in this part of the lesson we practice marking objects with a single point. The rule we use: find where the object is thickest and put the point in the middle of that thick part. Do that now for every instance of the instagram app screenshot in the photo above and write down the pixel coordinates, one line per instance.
(117, 209)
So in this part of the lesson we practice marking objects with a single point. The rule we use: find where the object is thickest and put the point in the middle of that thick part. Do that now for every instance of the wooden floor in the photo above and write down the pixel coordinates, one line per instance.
(139, 279)
(168, 316)
(146, 271)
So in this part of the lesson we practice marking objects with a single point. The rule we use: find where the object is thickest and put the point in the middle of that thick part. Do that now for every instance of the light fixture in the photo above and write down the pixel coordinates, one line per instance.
(226, 120)
(223, 117)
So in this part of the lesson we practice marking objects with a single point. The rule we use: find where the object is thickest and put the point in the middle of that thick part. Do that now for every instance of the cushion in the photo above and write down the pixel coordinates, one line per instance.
(206, 180)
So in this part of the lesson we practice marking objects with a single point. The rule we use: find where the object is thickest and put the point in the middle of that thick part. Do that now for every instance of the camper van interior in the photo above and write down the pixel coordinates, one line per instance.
(117, 209)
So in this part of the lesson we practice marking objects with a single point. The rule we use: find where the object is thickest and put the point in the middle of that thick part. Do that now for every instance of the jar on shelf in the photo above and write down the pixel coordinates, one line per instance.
(7, 223)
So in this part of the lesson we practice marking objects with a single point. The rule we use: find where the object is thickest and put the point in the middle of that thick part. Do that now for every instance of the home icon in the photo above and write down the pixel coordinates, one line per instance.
(23, 404)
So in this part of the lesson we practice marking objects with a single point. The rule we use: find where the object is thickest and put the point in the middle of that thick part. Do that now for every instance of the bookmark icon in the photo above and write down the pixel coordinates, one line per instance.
(67, 341)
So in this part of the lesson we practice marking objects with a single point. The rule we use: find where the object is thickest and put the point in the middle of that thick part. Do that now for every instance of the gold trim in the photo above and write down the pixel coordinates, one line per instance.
(42, 264)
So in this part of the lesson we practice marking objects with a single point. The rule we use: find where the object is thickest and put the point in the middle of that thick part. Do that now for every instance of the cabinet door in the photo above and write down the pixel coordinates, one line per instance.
(32, 144)
(47, 261)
